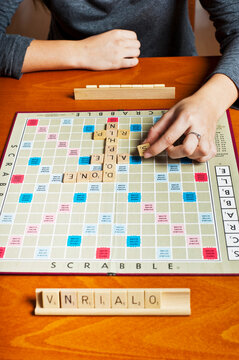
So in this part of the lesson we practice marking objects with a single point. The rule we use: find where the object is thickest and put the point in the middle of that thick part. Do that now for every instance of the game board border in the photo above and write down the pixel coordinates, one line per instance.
(236, 152)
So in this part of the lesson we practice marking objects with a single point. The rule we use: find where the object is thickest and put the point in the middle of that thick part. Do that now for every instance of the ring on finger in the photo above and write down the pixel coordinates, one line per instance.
(196, 134)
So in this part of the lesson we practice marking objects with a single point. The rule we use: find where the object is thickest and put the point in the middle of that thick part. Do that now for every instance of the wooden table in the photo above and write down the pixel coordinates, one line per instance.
(211, 332)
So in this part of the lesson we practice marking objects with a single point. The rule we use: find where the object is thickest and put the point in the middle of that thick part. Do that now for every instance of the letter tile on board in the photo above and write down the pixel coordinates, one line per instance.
(69, 177)
(123, 158)
(68, 298)
(136, 298)
(110, 158)
(152, 298)
(111, 141)
(123, 134)
(99, 134)
(50, 298)
(110, 126)
(85, 298)
(109, 167)
(83, 176)
(119, 298)
(97, 159)
(102, 298)
(109, 176)
(111, 149)
(96, 176)
(111, 133)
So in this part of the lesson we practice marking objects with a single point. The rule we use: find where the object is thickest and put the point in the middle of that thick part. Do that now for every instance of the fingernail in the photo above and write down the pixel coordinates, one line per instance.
(147, 155)
(145, 140)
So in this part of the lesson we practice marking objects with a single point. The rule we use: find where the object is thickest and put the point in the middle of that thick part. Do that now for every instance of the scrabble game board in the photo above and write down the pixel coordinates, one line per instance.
(155, 216)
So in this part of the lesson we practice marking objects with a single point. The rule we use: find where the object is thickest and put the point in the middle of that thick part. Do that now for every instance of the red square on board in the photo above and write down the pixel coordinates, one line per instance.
(210, 254)
(32, 122)
(201, 177)
(112, 119)
(103, 253)
(17, 179)
(2, 252)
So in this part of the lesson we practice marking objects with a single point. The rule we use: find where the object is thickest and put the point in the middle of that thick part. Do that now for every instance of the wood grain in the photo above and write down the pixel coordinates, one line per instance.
(211, 332)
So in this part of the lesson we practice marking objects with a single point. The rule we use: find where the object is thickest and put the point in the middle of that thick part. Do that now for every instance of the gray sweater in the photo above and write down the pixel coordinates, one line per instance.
(162, 27)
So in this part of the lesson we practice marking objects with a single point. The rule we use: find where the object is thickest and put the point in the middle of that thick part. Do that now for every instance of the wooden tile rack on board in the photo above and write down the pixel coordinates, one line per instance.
(121, 92)
(117, 301)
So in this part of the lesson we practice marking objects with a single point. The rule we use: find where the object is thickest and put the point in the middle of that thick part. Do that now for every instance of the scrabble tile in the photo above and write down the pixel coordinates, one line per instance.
(102, 298)
(50, 298)
(119, 298)
(152, 299)
(111, 141)
(110, 158)
(68, 299)
(123, 159)
(69, 177)
(97, 159)
(83, 176)
(111, 133)
(109, 167)
(86, 298)
(109, 176)
(99, 134)
(111, 125)
(96, 176)
(123, 133)
(136, 298)
(142, 148)
(111, 149)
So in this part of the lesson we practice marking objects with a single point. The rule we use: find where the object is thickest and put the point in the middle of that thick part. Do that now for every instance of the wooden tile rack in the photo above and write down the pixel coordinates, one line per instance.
(117, 301)
(120, 92)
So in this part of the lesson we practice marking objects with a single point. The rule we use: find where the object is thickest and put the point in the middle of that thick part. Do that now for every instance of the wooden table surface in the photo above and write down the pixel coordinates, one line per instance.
(211, 332)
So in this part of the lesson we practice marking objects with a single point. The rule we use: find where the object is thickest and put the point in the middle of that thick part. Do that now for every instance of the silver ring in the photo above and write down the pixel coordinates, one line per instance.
(195, 133)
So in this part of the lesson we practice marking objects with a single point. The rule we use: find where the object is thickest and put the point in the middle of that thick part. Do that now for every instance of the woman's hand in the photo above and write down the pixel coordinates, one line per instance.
(113, 49)
(197, 114)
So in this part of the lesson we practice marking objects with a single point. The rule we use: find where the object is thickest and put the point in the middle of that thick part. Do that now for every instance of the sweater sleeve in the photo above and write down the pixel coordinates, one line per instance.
(12, 47)
(225, 17)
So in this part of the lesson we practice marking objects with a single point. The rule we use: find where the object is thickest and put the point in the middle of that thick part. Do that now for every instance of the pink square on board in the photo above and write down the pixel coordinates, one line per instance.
(62, 144)
(32, 122)
(177, 229)
(65, 208)
(148, 207)
(112, 119)
(201, 177)
(210, 253)
(32, 229)
(73, 152)
(49, 218)
(2, 252)
(162, 218)
(42, 129)
(52, 137)
(102, 253)
(193, 241)
(17, 179)
(15, 240)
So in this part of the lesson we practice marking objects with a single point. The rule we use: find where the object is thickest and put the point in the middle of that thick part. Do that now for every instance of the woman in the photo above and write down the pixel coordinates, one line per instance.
(111, 34)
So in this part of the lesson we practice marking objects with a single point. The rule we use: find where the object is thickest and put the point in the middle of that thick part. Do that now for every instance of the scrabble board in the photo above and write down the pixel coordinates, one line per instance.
(154, 216)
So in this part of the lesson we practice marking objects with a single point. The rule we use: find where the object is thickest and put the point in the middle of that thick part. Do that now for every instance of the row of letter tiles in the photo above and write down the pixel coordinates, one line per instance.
(111, 298)
(229, 211)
